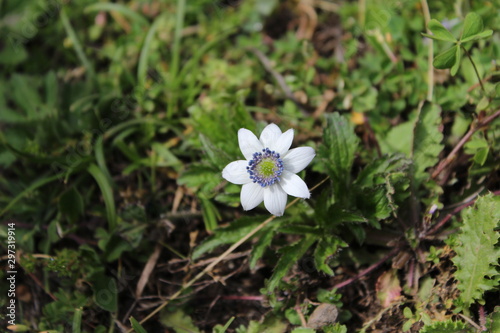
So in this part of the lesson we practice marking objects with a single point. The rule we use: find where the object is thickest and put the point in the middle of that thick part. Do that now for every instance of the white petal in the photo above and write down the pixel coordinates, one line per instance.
(270, 135)
(298, 158)
(275, 199)
(236, 172)
(251, 195)
(249, 144)
(283, 143)
(293, 185)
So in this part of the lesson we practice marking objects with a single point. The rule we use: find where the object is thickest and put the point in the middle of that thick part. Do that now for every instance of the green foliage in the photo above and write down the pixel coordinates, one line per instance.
(116, 141)
(270, 325)
(179, 321)
(427, 141)
(477, 250)
(472, 31)
(290, 255)
(448, 326)
(136, 325)
(337, 152)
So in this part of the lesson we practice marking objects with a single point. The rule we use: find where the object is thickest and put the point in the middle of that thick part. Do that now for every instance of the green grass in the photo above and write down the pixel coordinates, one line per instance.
(117, 119)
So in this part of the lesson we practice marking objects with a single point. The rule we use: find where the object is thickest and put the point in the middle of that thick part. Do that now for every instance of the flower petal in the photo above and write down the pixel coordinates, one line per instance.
(270, 135)
(251, 195)
(298, 158)
(275, 199)
(249, 144)
(283, 143)
(294, 185)
(236, 172)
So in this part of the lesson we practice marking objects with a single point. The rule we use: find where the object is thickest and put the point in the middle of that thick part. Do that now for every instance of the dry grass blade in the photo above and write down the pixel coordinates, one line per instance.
(148, 269)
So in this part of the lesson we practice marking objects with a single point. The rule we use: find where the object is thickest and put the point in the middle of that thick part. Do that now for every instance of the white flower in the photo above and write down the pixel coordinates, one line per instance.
(269, 172)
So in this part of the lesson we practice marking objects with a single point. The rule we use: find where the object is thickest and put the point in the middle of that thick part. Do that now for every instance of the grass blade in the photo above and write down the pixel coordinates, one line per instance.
(142, 67)
(176, 54)
(77, 45)
(107, 193)
(36, 184)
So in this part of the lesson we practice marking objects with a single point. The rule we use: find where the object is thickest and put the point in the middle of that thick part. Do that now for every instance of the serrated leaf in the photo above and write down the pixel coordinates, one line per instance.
(458, 60)
(446, 59)
(439, 31)
(494, 320)
(473, 25)
(327, 247)
(291, 254)
(228, 235)
(179, 321)
(339, 145)
(260, 246)
(426, 140)
(447, 326)
(481, 35)
(477, 255)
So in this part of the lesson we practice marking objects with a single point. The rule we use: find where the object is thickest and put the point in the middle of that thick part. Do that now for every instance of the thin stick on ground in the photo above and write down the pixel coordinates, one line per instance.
(473, 129)
(364, 272)
(219, 259)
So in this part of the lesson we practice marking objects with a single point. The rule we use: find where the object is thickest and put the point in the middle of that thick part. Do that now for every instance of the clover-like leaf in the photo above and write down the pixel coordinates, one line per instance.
(439, 32)
(458, 58)
(481, 35)
(446, 59)
(473, 25)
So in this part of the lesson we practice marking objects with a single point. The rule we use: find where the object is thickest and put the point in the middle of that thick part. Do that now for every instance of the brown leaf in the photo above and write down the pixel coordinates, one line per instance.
(388, 287)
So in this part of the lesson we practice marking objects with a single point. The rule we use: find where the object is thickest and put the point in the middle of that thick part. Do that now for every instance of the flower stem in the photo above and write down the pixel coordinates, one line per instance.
(475, 69)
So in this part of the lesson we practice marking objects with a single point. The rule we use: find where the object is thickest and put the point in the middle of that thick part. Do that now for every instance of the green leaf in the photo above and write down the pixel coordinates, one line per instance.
(494, 320)
(179, 321)
(291, 255)
(439, 31)
(105, 291)
(71, 204)
(303, 330)
(137, 326)
(446, 59)
(426, 140)
(336, 328)
(458, 60)
(119, 8)
(481, 35)
(107, 193)
(144, 56)
(210, 213)
(340, 143)
(477, 256)
(447, 326)
(327, 247)
(473, 25)
(222, 329)
(337, 152)
(34, 185)
(261, 245)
